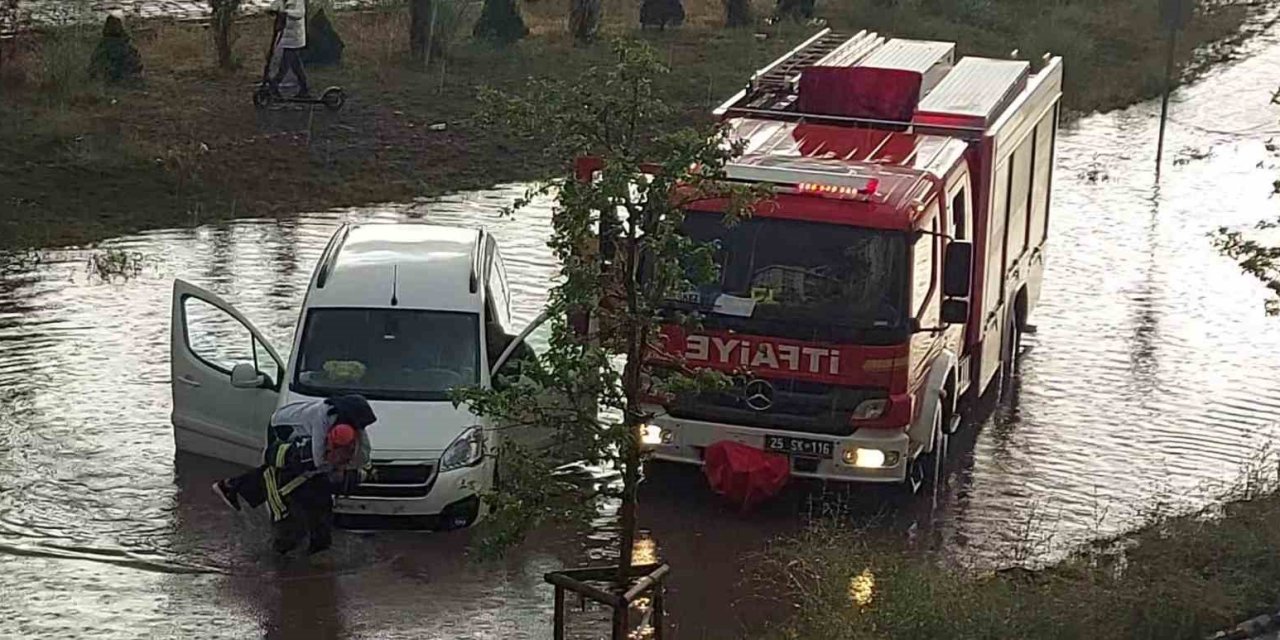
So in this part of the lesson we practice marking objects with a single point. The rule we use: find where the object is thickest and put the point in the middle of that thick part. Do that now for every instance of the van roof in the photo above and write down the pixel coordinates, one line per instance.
(421, 266)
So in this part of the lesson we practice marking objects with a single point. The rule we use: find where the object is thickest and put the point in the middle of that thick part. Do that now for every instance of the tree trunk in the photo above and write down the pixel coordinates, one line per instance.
(500, 21)
(795, 9)
(420, 28)
(737, 13)
(631, 419)
(223, 19)
(584, 19)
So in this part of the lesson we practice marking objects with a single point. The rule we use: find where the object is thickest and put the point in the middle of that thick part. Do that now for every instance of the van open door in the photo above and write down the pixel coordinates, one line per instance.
(529, 344)
(225, 376)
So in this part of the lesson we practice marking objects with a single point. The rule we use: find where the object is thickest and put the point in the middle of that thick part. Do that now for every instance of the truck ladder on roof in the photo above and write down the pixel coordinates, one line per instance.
(779, 78)
(825, 48)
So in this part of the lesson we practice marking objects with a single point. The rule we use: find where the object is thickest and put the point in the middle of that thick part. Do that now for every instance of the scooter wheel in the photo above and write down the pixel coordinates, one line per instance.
(262, 98)
(333, 98)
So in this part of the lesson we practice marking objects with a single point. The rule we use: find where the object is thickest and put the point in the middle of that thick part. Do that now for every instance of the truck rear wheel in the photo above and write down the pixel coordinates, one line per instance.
(1009, 359)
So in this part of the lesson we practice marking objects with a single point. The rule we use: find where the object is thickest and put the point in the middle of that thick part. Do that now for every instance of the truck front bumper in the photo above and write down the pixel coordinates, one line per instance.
(686, 441)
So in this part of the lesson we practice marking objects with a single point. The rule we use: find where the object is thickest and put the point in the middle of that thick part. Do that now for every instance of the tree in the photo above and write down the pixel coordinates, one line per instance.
(420, 28)
(617, 238)
(795, 9)
(223, 19)
(661, 13)
(584, 20)
(500, 21)
(737, 13)
(1257, 257)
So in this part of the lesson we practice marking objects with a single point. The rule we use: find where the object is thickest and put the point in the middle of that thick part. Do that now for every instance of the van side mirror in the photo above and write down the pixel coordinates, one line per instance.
(246, 376)
(957, 276)
(955, 311)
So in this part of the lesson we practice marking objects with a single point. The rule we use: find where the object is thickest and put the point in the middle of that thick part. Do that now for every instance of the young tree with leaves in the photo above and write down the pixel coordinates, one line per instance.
(616, 232)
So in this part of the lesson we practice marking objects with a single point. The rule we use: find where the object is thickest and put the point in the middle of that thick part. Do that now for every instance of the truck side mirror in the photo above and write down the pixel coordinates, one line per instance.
(957, 276)
(955, 311)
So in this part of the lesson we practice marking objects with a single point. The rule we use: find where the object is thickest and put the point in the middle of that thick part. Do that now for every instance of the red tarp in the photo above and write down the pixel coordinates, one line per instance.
(745, 475)
(860, 92)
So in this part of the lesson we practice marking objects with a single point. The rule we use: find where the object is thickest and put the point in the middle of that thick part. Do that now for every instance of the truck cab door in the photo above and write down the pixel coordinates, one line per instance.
(524, 351)
(225, 377)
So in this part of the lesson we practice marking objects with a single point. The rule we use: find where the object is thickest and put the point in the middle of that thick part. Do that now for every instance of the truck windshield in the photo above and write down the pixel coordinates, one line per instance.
(388, 354)
(803, 273)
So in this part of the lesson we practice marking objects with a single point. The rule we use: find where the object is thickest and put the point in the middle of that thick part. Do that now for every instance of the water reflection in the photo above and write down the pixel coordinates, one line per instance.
(1152, 373)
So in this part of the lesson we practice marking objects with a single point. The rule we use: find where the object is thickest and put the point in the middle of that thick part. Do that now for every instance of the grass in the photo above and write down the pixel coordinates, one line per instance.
(1177, 577)
(187, 145)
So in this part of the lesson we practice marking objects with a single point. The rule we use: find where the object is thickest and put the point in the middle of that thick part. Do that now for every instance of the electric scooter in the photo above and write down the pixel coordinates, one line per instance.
(263, 97)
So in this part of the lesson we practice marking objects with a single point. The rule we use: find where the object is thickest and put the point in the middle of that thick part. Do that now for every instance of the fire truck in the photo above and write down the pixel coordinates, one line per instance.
(891, 276)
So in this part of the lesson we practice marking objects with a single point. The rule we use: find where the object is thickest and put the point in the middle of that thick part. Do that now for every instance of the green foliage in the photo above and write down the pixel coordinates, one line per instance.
(1258, 258)
(617, 238)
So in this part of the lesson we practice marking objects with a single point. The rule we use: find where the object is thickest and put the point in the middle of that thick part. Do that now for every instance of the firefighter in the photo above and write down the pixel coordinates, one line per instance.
(340, 464)
(299, 489)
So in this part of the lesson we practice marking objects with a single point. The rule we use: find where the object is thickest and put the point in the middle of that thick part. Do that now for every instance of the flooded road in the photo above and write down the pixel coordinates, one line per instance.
(1151, 384)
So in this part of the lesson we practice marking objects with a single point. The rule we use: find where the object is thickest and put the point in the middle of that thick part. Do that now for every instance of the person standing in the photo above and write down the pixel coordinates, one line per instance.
(290, 38)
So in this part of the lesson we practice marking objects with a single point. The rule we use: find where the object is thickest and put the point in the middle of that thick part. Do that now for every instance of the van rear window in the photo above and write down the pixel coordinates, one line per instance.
(388, 354)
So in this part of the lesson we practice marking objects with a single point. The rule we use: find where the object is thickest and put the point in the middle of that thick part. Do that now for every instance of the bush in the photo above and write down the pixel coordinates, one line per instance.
(115, 59)
(324, 45)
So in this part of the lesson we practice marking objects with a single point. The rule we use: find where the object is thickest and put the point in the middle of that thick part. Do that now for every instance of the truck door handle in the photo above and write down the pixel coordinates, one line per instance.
(189, 381)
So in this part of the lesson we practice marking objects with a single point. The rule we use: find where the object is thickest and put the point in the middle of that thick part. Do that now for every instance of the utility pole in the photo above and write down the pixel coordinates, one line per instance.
(1175, 14)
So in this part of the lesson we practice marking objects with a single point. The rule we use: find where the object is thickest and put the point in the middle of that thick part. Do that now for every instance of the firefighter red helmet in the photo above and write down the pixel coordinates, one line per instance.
(341, 435)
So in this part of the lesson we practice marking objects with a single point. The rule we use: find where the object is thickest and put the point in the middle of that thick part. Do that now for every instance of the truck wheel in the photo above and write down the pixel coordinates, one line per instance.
(1009, 360)
(925, 472)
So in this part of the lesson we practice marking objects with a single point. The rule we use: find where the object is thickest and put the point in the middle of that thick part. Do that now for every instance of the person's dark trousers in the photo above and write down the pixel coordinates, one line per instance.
(310, 515)
(291, 60)
(250, 486)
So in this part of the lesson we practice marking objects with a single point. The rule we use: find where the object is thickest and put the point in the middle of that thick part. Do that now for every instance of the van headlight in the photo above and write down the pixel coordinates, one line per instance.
(466, 451)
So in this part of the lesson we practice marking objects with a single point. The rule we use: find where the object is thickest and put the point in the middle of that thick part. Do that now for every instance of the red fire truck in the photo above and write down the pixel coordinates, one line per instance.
(890, 278)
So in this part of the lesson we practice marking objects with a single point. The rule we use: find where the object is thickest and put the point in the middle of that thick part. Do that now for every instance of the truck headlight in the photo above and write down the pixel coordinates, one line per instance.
(466, 451)
(870, 409)
(871, 458)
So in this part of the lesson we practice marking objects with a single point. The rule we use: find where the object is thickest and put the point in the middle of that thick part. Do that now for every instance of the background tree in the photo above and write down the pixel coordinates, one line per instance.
(661, 13)
(795, 9)
(617, 238)
(500, 21)
(420, 14)
(223, 20)
(584, 20)
(737, 13)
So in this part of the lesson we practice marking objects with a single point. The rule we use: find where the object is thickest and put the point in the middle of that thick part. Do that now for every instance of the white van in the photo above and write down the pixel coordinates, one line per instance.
(399, 313)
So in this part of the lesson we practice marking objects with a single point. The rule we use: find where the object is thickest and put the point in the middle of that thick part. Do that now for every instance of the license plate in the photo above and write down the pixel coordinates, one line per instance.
(800, 446)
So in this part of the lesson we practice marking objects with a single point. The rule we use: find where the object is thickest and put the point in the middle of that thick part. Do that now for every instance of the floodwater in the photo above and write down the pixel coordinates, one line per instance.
(1151, 384)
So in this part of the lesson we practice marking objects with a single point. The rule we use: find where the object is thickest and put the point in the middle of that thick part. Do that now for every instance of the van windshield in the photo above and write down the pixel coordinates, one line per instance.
(388, 354)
